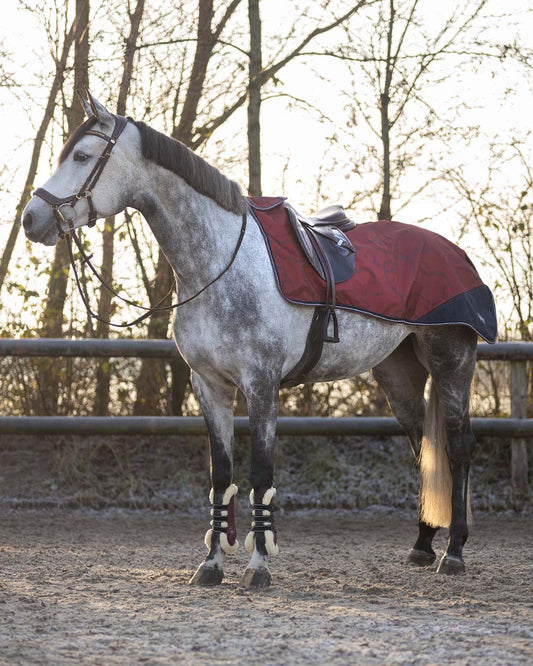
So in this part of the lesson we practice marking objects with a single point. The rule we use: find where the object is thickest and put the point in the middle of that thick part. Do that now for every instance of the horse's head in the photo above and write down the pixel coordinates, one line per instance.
(92, 179)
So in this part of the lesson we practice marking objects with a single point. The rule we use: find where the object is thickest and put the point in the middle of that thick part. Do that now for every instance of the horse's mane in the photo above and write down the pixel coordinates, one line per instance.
(176, 157)
(195, 171)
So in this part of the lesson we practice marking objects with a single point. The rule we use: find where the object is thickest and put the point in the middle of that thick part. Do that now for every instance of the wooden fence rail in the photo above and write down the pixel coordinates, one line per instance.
(518, 427)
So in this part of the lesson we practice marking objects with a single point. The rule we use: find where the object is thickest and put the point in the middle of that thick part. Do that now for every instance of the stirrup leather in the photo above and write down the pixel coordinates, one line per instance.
(223, 521)
(263, 523)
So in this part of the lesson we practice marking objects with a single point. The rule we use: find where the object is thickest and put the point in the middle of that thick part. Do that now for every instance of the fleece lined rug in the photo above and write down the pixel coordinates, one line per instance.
(402, 273)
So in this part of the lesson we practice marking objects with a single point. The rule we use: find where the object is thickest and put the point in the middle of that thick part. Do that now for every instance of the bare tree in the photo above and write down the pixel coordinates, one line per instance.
(101, 405)
(497, 219)
(398, 62)
(271, 71)
(254, 100)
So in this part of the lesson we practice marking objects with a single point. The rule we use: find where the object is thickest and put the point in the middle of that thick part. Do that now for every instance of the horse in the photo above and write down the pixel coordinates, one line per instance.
(236, 331)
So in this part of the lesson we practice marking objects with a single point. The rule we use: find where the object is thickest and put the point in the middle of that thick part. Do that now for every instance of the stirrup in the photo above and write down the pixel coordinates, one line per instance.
(223, 521)
(263, 523)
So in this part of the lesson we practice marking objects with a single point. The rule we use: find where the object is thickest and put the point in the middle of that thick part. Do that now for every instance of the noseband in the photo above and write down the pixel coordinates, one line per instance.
(86, 190)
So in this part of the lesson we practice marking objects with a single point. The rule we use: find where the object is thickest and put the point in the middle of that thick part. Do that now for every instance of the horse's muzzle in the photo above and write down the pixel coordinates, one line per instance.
(35, 232)
(27, 223)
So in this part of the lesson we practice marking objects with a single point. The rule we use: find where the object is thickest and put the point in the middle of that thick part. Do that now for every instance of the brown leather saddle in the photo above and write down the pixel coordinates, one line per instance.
(323, 240)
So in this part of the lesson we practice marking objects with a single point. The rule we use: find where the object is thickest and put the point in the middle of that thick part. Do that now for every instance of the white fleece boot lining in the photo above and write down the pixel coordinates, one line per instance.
(230, 492)
(271, 546)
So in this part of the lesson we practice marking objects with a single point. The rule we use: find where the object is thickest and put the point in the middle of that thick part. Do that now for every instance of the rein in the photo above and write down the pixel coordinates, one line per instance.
(86, 192)
(149, 310)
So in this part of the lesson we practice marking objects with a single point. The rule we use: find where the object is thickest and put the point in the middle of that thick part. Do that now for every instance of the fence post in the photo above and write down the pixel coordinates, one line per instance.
(519, 411)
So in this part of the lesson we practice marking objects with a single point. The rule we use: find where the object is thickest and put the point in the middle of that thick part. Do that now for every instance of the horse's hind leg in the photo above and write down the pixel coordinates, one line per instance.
(448, 440)
(216, 400)
(403, 378)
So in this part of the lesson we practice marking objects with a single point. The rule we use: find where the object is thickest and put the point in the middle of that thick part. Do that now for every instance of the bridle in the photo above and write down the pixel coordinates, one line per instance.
(86, 192)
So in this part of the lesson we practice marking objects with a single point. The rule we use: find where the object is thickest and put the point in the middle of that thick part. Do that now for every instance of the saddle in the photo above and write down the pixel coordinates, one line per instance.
(323, 241)
(330, 252)
(321, 236)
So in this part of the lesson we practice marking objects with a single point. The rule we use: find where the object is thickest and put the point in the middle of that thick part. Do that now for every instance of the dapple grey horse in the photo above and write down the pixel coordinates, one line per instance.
(241, 333)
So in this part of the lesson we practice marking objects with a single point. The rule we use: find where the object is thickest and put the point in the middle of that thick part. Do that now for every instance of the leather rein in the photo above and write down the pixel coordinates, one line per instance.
(86, 192)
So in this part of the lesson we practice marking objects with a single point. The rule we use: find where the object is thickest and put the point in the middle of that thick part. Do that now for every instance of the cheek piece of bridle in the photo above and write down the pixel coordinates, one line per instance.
(86, 192)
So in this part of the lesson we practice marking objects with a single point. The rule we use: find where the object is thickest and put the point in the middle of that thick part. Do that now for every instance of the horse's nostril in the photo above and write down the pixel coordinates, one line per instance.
(27, 222)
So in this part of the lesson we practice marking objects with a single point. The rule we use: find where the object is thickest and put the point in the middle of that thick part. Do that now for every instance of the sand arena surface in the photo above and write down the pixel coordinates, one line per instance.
(111, 588)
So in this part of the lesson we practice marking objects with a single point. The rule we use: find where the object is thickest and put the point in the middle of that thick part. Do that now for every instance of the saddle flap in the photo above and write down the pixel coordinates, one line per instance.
(339, 251)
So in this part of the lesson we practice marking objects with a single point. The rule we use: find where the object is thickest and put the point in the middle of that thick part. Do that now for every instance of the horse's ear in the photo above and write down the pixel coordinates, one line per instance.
(86, 105)
(94, 109)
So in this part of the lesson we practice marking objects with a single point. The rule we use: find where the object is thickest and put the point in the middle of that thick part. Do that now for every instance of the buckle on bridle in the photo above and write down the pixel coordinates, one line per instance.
(86, 194)
(60, 217)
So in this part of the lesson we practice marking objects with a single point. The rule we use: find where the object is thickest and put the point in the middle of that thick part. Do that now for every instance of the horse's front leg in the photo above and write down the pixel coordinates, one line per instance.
(261, 542)
(216, 400)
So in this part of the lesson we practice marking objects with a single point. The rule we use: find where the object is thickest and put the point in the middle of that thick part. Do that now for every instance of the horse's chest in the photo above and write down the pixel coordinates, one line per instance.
(228, 336)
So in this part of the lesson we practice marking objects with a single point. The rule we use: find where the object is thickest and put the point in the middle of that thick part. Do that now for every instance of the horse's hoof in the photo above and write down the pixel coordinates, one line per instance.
(420, 558)
(256, 578)
(207, 576)
(451, 566)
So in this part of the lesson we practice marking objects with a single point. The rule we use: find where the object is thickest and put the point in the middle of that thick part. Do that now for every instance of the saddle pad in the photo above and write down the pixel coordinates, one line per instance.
(402, 273)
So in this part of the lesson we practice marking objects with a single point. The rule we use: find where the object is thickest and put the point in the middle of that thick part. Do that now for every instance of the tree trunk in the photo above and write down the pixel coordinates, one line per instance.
(103, 372)
(181, 374)
(204, 48)
(385, 208)
(52, 317)
(206, 38)
(254, 101)
(52, 327)
(519, 463)
(151, 382)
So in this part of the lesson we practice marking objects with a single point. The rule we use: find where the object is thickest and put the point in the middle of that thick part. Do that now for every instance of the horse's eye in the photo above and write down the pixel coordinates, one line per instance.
(80, 157)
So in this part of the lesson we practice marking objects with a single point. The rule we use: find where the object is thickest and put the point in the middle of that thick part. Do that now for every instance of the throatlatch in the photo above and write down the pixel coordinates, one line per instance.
(223, 521)
(263, 523)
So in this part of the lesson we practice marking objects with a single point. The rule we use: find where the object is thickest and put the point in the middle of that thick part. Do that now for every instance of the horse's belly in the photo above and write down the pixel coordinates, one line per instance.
(274, 336)
(364, 342)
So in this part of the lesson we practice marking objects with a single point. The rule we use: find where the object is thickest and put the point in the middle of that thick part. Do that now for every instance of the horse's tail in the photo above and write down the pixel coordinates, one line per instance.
(435, 475)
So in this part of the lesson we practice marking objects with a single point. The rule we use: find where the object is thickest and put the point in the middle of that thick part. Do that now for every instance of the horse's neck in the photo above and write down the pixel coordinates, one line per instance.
(197, 236)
